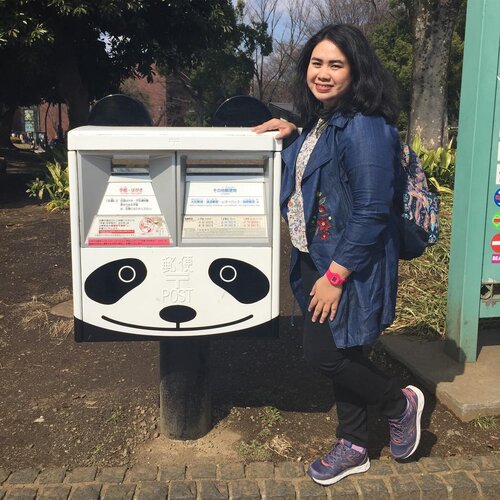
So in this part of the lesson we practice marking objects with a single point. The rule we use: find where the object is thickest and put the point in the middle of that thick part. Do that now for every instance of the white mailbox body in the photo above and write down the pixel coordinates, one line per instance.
(174, 232)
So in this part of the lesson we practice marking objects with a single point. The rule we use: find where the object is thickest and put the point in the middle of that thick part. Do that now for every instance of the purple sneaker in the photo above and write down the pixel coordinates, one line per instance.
(342, 461)
(405, 430)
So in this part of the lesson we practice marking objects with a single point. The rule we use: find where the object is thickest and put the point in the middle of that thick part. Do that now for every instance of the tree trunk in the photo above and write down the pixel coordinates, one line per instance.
(433, 22)
(70, 85)
(6, 116)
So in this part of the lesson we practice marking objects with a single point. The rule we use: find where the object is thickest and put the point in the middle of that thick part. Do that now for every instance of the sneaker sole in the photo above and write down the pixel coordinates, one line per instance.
(420, 408)
(354, 470)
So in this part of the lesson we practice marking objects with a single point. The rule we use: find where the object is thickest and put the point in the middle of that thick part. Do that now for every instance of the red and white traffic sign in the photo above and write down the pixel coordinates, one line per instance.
(495, 243)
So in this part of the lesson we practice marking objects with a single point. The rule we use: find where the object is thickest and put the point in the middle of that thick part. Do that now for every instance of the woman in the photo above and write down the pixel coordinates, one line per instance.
(340, 182)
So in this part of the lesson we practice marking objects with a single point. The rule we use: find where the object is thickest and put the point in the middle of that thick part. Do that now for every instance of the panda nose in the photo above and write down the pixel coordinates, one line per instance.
(177, 314)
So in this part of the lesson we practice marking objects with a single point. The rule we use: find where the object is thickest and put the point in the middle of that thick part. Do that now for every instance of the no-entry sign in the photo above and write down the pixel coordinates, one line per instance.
(495, 243)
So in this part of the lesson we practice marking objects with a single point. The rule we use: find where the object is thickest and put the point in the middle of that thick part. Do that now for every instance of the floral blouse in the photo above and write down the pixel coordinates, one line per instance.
(296, 221)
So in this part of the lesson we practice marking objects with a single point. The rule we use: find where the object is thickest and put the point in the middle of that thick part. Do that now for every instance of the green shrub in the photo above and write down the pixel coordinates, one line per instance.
(55, 186)
(438, 164)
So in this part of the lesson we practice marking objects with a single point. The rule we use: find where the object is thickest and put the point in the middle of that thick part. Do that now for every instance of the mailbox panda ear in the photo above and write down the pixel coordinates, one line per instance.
(244, 282)
(110, 282)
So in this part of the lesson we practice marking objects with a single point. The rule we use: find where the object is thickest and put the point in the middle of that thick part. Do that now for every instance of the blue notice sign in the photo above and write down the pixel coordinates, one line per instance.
(497, 197)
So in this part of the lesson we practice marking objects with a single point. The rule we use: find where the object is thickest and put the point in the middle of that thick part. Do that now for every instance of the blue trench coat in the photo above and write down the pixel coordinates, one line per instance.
(349, 186)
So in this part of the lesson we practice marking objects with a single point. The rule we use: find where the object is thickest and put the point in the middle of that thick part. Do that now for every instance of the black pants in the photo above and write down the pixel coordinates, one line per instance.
(357, 382)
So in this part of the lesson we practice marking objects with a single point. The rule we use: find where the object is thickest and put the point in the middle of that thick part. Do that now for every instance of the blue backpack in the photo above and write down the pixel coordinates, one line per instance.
(419, 218)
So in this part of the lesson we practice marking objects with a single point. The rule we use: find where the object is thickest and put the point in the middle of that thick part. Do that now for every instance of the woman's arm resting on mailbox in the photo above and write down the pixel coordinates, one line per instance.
(285, 128)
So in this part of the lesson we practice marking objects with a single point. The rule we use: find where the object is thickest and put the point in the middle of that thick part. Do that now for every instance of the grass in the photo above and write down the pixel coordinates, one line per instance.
(485, 422)
(423, 283)
(270, 416)
(115, 417)
(267, 441)
(35, 315)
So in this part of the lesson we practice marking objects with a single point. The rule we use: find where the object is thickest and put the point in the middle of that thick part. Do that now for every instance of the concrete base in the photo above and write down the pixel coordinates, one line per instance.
(469, 390)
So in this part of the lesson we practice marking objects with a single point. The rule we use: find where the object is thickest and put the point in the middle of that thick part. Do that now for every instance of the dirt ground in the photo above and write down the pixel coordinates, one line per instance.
(69, 404)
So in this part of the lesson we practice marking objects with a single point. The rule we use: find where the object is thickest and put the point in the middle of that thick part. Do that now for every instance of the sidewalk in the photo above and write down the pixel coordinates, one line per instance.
(453, 478)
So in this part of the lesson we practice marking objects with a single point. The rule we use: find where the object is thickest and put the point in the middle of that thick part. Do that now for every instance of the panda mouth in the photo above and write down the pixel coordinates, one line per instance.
(177, 328)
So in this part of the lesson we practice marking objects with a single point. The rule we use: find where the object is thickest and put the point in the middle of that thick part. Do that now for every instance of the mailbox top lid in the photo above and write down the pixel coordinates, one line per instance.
(93, 138)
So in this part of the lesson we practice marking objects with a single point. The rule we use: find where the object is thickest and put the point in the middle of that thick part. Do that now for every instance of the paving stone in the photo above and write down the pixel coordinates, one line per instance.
(51, 476)
(432, 487)
(141, 473)
(378, 468)
(182, 490)
(118, 492)
(212, 490)
(53, 492)
(289, 469)
(407, 468)
(278, 489)
(434, 464)
(26, 493)
(201, 471)
(81, 475)
(486, 463)
(85, 492)
(260, 470)
(461, 463)
(405, 487)
(111, 474)
(309, 490)
(489, 482)
(231, 471)
(345, 489)
(4, 474)
(172, 472)
(374, 489)
(23, 476)
(151, 490)
(244, 489)
(462, 486)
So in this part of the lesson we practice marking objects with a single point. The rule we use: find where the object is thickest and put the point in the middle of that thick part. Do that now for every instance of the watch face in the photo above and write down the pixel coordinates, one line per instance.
(335, 279)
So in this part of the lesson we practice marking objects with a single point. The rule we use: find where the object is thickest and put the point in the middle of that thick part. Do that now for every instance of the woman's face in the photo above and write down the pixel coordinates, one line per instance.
(328, 73)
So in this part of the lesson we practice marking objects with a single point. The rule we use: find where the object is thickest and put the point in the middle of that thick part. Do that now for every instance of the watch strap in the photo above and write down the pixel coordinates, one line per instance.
(334, 278)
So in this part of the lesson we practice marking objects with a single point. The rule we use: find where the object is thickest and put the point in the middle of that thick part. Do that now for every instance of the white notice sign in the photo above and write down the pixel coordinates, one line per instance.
(129, 231)
(224, 226)
(224, 198)
(129, 198)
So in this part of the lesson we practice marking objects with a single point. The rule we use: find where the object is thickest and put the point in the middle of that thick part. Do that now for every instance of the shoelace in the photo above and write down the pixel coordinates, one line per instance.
(337, 453)
(397, 430)
(397, 424)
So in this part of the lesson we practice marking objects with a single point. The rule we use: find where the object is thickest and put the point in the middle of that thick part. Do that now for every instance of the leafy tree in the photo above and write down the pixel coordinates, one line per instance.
(221, 72)
(93, 45)
(392, 43)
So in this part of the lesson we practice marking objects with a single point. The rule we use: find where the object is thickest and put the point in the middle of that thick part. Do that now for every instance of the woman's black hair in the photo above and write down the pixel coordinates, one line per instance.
(372, 90)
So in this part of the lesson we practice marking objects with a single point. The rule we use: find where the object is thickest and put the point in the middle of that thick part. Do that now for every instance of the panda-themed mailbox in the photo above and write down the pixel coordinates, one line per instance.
(175, 236)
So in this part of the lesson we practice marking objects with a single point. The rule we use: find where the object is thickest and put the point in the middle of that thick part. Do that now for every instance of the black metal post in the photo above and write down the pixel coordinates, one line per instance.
(185, 392)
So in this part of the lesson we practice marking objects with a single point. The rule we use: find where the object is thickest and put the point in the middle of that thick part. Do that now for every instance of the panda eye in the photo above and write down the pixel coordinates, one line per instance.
(244, 282)
(127, 274)
(110, 282)
(228, 274)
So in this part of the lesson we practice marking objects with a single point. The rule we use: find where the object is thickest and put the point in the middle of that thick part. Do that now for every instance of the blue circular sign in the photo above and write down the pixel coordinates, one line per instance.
(497, 197)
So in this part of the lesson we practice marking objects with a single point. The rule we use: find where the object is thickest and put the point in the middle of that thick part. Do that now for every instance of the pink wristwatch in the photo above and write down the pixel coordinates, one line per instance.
(334, 278)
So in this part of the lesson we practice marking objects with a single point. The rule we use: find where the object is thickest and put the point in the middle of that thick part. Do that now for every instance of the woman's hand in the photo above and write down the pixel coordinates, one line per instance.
(285, 128)
(325, 300)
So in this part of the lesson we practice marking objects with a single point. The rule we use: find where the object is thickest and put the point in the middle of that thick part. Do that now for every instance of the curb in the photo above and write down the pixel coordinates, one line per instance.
(431, 477)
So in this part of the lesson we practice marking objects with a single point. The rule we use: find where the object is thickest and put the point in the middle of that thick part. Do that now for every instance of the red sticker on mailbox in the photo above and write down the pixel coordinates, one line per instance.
(495, 243)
